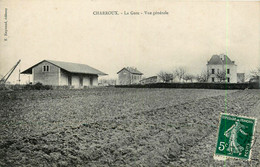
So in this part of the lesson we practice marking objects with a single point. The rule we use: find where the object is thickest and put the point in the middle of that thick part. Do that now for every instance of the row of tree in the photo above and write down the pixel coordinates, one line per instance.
(182, 75)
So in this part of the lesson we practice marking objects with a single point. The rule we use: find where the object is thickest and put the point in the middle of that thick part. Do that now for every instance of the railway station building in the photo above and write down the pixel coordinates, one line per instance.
(58, 73)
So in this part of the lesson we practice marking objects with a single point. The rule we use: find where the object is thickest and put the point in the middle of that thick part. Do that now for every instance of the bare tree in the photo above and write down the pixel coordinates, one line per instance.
(107, 82)
(180, 73)
(165, 76)
(188, 77)
(255, 73)
(221, 75)
(203, 77)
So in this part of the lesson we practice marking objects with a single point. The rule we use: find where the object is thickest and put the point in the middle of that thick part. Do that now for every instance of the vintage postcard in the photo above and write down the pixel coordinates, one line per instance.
(129, 83)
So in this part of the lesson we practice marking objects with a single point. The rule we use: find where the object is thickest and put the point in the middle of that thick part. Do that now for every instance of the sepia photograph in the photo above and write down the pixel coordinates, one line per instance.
(129, 83)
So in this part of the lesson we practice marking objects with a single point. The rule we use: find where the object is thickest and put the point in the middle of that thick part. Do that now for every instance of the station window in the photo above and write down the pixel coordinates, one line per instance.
(45, 68)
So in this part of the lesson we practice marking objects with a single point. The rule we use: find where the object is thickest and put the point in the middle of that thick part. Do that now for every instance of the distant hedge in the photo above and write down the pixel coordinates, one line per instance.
(39, 86)
(253, 85)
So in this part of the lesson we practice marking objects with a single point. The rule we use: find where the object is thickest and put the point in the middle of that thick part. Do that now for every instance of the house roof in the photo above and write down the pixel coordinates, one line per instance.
(70, 67)
(131, 70)
(220, 59)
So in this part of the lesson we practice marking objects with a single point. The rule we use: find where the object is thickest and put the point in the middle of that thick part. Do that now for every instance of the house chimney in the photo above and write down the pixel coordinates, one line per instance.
(222, 56)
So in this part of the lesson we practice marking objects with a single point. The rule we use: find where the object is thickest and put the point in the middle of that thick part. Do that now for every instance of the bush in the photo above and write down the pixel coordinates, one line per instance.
(38, 86)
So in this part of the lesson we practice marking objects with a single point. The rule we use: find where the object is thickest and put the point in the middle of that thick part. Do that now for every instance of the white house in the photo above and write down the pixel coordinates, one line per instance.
(217, 66)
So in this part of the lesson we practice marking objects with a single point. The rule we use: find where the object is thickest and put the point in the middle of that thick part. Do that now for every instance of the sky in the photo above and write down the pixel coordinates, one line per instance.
(67, 30)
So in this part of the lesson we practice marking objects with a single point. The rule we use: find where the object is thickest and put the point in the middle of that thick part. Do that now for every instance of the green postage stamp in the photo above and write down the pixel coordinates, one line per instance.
(235, 137)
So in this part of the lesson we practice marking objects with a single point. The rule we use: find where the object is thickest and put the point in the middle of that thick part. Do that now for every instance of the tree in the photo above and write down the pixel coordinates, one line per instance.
(180, 73)
(255, 73)
(107, 82)
(203, 77)
(165, 76)
(221, 76)
(188, 77)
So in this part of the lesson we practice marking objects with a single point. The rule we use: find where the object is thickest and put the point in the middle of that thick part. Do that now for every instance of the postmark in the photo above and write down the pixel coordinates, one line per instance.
(235, 137)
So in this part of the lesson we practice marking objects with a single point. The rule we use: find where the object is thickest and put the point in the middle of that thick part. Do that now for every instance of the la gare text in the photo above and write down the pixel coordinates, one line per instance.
(130, 13)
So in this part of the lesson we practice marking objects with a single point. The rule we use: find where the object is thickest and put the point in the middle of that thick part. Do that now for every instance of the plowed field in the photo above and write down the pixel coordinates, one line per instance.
(119, 127)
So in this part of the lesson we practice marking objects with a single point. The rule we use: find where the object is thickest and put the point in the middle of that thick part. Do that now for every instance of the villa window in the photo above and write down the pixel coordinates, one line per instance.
(228, 71)
(213, 79)
(213, 71)
(228, 80)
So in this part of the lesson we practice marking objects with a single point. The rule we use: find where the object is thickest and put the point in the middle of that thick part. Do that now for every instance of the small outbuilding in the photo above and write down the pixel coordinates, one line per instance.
(240, 77)
(150, 80)
(58, 73)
